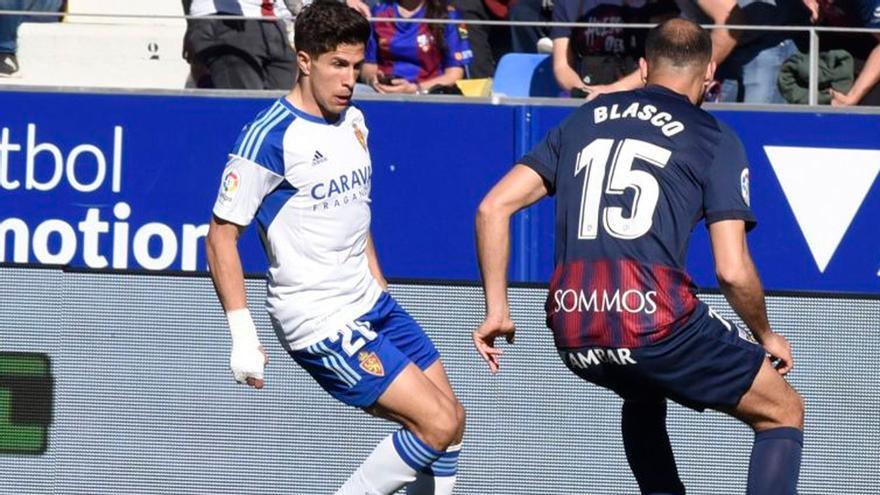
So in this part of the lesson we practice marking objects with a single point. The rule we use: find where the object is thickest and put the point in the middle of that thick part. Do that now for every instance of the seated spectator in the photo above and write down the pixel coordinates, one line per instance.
(748, 61)
(864, 47)
(583, 57)
(524, 39)
(488, 42)
(9, 28)
(409, 57)
(241, 54)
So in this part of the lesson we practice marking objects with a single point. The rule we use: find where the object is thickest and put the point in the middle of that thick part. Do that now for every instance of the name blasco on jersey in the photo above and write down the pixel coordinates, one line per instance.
(637, 110)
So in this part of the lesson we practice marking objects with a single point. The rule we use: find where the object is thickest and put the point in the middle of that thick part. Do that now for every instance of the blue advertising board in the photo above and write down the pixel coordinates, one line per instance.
(128, 182)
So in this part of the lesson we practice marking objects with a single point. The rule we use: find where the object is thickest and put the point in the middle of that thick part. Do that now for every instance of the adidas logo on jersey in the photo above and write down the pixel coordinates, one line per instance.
(318, 158)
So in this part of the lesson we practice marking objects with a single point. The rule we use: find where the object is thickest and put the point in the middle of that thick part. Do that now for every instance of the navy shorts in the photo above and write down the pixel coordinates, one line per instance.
(357, 363)
(709, 363)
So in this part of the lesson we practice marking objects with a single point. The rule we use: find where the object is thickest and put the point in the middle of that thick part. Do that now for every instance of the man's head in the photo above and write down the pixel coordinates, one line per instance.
(330, 38)
(678, 55)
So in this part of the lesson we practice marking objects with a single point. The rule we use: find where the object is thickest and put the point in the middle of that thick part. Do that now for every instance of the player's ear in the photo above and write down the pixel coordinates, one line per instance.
(643, 69)
(304, 61)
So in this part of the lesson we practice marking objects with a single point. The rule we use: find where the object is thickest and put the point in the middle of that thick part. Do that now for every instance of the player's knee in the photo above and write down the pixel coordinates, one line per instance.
(795, 410)
(461, 419)
(790, 411)
(445, 425)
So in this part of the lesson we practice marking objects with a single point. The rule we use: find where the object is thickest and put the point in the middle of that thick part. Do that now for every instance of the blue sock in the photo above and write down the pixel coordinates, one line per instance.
(776, 461)
(643, 424)
(417, 454)
(446, 464)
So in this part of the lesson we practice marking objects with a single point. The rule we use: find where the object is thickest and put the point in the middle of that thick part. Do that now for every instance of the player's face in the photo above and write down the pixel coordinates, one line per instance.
(332, 77)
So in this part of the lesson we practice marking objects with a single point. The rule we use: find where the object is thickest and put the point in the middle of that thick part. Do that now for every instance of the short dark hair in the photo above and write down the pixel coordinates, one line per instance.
(325, 24)
(678, 42)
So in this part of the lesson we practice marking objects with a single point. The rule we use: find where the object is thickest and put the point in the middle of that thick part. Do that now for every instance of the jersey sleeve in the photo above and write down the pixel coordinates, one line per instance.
(544, 158)
(244, 185)
(458, 48)
(726, 186)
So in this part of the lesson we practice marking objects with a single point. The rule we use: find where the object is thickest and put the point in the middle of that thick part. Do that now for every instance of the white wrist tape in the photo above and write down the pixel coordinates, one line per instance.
(242, 328)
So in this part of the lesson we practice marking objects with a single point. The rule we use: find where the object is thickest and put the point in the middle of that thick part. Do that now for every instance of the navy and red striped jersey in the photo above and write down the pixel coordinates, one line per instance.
(633, 173)
(410, 50)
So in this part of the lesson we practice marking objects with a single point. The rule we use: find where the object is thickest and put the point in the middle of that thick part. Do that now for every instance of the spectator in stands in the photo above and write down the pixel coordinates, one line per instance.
(9, 28)
(524, 39)
(407, 57)
(748, 61)
(489, 43)
(865, 48)
(583, 57)
(241, 54)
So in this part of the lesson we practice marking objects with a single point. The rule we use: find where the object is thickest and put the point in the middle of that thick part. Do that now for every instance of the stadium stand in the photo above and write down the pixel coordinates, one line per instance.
(95, 51)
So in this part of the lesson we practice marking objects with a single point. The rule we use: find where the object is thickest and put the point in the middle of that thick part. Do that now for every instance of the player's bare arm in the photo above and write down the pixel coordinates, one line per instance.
(740, 284)
(222, 250)
(247, 359)
(521, 187)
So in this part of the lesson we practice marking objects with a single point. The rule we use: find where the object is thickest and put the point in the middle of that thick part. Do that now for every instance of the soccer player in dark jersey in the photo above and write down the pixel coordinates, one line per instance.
(633, 173)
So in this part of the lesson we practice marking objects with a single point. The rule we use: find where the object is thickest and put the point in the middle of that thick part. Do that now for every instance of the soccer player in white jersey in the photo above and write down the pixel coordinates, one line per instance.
(302, 170)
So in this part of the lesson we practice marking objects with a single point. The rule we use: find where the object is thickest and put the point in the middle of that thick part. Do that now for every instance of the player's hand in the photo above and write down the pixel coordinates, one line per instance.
(778, 347)
(484, 339)
(247, 363)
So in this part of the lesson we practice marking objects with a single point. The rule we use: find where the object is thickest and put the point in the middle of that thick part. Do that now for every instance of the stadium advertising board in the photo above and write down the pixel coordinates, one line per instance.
(128, 182)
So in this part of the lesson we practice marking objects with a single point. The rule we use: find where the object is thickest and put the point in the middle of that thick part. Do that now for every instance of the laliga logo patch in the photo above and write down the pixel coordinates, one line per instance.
(744, 186)
(359, 134)
(230, 185)
(371, 363)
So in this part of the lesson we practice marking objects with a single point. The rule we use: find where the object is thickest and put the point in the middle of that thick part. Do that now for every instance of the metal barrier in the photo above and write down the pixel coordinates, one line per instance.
(812, 30)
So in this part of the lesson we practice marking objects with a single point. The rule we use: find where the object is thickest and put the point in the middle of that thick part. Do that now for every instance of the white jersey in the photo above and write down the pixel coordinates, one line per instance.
(307, 183)
(249, 8)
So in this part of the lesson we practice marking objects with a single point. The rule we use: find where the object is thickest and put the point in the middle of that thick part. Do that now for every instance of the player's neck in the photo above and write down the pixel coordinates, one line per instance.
(687, 88)
(302, 98)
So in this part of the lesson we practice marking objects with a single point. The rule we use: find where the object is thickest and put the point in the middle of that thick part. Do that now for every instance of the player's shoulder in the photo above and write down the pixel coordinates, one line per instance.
(728, 139)
(354, 112)
(262, 140)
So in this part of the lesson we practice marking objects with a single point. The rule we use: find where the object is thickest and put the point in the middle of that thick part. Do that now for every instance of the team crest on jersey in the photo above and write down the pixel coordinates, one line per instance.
(744, 186)
(463, 31)
(359, 134)
(230, 185)
(371, 363)
(424, 42)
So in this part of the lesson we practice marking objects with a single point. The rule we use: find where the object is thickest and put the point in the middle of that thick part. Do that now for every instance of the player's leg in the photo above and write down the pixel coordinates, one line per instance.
(363, 369)
(776, 412)
(643, 416)
(430, 424)
(711, 363)
(408, 336)
(646, 442)
(440, 477)
(414, 401)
